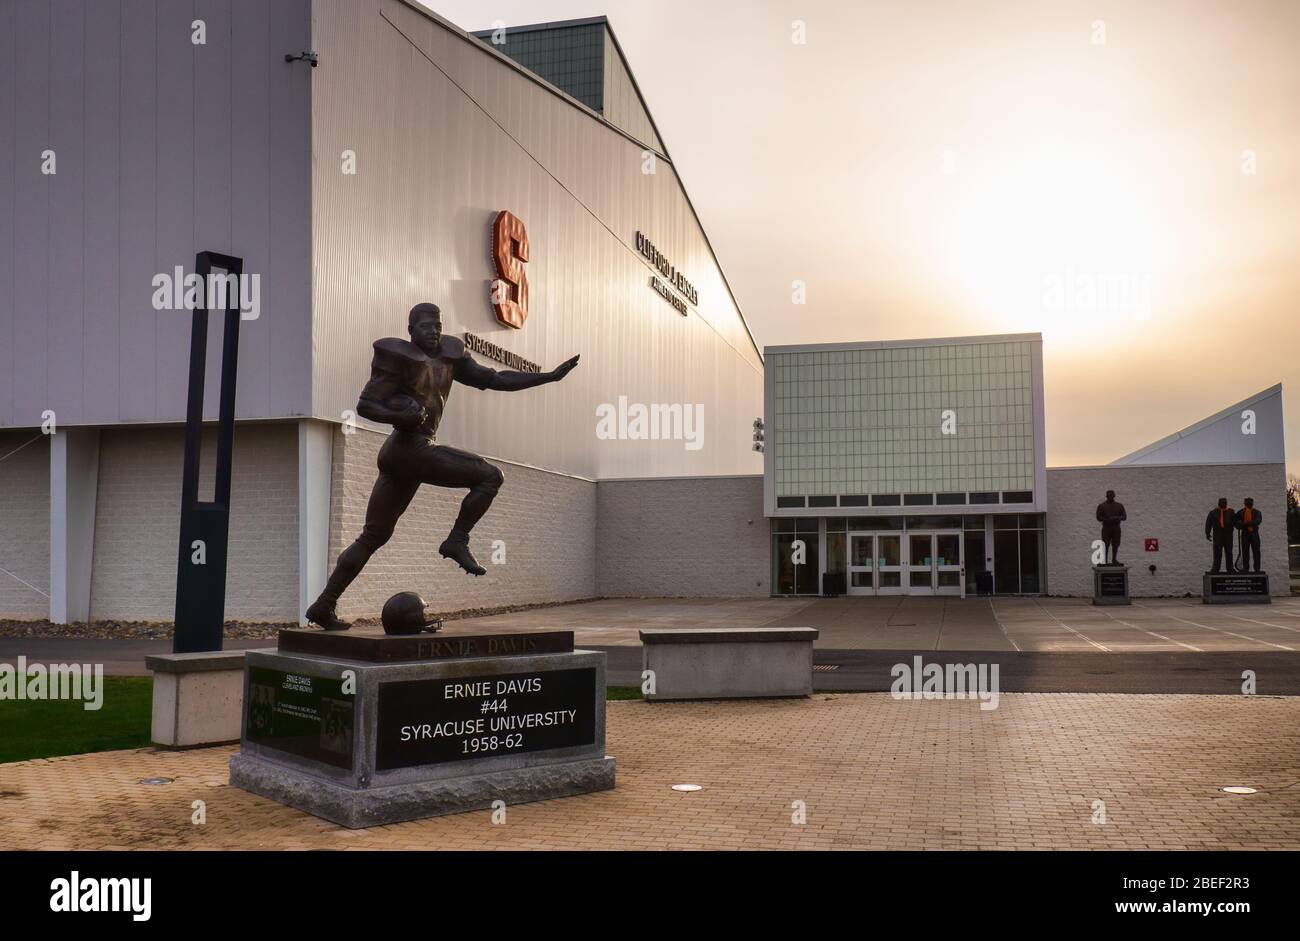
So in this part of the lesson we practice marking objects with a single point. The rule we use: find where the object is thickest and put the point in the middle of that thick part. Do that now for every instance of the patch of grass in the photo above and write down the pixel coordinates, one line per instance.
(46, 728)
(618, 693)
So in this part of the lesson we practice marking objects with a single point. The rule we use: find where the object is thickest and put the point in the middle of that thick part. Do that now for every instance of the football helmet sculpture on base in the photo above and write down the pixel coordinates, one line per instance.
(404, 614)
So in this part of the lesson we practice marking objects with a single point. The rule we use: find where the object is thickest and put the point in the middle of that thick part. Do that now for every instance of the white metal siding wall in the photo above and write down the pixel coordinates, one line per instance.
(1166, 502)
(163, 148)
(1229, 438)
(137, 523)
(24, 525)
(440, 150)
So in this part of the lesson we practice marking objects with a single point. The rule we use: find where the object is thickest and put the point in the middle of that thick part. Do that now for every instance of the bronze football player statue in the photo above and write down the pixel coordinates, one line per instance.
(408, 388)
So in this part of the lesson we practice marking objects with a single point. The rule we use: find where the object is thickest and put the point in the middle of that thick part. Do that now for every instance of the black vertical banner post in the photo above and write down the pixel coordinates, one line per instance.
(205, 527)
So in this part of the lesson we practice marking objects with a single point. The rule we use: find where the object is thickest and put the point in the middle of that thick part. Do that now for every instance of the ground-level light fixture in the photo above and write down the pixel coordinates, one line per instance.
(155, 780)
(1238, 789)
(687, 787)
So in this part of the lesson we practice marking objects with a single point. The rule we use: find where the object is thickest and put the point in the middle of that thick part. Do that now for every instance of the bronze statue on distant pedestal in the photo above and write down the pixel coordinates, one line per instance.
(408, 388)
(1219, 525)
(1248, 520)
(1110, 513)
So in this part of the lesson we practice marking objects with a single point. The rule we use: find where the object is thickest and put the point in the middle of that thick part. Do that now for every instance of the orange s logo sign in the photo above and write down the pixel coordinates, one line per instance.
(509, 252)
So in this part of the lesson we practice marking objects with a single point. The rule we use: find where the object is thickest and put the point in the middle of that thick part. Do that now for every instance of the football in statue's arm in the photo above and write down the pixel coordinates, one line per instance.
(387, 410)
(405, 406)
(401, 402)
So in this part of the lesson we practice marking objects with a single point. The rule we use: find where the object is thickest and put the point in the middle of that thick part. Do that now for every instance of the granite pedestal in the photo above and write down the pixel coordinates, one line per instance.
(1110, 584)
(364, 729)
(1235, 588)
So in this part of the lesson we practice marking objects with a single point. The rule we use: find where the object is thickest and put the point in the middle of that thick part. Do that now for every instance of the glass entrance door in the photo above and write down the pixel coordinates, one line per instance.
(920, 563)
(861, 564)
(948, 577)
(875, 564)
(889, 564)
(912, 564)
(934, 564)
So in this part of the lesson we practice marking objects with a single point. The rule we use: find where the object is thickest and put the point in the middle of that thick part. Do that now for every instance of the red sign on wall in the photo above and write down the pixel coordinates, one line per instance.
(1152, 545)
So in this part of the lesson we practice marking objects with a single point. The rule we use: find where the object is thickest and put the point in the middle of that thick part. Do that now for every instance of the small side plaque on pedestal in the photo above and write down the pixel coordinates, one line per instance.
(1110, 584)
(303, 715)
(1235, 588)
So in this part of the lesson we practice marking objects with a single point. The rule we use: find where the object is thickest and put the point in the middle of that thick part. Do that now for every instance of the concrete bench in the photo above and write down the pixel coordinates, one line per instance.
(729, 663)
(198, 698)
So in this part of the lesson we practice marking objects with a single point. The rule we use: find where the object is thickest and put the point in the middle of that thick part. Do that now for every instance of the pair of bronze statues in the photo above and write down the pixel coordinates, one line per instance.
(408, 389)
(1220, 524)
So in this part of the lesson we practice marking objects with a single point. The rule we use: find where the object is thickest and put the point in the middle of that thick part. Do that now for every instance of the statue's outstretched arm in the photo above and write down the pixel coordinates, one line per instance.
(508, 380)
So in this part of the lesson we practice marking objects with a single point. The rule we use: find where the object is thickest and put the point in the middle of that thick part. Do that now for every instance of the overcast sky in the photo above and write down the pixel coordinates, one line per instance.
(1123, 177)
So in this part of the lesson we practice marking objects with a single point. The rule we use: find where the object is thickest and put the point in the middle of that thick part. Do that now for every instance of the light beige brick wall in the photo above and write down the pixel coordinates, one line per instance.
(1166, 502)
(682, 537)
(546, 521)
(137, 522)
(24, 524)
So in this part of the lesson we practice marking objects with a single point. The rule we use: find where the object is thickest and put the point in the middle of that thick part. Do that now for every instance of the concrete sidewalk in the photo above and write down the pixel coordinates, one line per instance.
(910, 623)
(1042, 771)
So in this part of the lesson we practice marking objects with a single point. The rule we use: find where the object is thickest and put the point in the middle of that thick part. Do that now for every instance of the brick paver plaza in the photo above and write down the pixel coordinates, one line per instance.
(872, 773)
